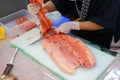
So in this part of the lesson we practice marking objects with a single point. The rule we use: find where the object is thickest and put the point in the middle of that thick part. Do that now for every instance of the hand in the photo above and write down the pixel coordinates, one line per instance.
(67, 26)
(33, 8)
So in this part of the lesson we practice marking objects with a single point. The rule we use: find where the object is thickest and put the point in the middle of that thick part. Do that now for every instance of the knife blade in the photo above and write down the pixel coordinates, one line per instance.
(50, 34)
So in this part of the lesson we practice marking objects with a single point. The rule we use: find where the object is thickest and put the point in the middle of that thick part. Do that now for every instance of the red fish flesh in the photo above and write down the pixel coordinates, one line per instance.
(68, 53)
(45, 22)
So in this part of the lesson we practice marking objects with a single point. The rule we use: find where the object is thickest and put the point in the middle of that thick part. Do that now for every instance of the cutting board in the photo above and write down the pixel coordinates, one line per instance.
(37, 53)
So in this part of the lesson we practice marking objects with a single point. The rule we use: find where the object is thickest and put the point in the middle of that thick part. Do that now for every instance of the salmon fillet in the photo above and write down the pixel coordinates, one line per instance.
(68, 53)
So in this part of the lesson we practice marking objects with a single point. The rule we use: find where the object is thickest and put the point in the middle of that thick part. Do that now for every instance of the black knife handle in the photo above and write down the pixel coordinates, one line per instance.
(8, 69)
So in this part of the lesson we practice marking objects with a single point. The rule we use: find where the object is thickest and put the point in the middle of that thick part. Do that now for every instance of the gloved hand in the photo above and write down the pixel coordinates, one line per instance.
(33, 8)
(67, 26)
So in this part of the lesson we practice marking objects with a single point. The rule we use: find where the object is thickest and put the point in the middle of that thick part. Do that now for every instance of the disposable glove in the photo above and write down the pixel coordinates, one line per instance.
(54, 16)
(33, 8)
(67, 26)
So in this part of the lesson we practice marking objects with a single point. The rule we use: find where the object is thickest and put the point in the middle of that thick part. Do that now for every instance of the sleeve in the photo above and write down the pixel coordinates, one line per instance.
(60, 5)
(106, 14)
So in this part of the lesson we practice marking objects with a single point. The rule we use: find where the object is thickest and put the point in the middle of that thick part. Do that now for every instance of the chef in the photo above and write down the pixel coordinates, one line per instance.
(99, 19)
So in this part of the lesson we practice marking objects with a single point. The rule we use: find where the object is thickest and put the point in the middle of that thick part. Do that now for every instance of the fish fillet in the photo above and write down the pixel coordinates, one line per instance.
(68, 53)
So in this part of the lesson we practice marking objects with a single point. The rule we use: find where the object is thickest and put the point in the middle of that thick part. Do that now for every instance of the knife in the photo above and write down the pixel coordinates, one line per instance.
(50, 34)
(9, 66)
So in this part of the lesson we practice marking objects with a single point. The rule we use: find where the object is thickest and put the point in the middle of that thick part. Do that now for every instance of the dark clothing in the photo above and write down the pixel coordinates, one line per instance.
(103, 12)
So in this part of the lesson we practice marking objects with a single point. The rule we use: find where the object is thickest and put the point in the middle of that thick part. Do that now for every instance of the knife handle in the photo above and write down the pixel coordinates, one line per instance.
(7, 69)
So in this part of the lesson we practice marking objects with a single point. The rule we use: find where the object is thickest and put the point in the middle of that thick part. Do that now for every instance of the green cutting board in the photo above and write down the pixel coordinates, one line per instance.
(37, 53)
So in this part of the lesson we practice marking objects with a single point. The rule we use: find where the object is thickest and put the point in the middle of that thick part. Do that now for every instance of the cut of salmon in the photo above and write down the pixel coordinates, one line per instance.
(45, 22)
(68, 53)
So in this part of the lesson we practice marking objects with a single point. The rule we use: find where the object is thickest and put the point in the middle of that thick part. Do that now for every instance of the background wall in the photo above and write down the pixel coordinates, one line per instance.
(9, 6)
